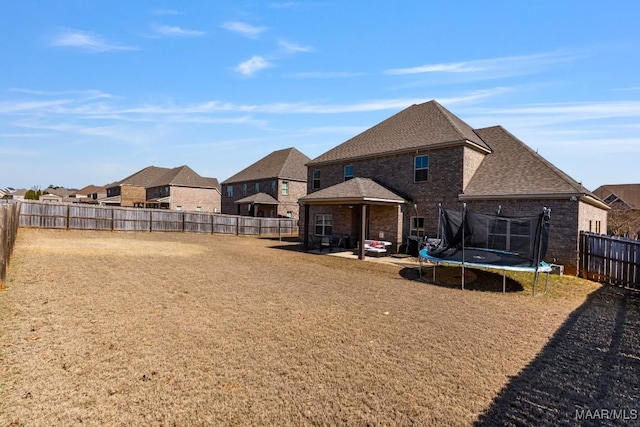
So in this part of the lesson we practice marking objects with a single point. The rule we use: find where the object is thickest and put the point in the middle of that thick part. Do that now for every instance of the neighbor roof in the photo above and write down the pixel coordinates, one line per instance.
(184, 176)
(515, 170)
(628, 193)
(424, 125)
(287, 164)
(258, 198)
(356, 190)
(143, 177)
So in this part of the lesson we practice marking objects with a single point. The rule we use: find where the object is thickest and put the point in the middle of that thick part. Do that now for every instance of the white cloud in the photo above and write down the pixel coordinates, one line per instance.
(252, 65)
(243, 28)
(293, 47)
(87, 41)
(493, 67)
(24, 106)
(169, 31)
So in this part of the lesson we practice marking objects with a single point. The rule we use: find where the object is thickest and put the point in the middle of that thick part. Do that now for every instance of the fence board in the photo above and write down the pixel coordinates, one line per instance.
(91, 217)
(9, 223)
(608, 259)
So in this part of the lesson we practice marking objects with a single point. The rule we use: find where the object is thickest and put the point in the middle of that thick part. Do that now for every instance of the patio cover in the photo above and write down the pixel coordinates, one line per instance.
(356, 191)
(258, 199)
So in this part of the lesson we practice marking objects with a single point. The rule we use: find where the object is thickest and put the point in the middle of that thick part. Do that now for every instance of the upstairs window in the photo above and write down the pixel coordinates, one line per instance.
(273, 187)
(348, 172)
(285, 188)
(257, 187)
(315, 179)
(421, 168)
(229, 190)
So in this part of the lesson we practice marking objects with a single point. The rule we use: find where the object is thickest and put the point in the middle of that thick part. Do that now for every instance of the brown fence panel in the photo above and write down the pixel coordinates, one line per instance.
(9, 223)
(608, 259)
(90, 217)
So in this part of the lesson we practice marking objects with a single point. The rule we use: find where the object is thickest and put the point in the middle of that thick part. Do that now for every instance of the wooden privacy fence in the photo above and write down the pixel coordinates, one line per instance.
(91, 217)
(613, 260)
(9, 214)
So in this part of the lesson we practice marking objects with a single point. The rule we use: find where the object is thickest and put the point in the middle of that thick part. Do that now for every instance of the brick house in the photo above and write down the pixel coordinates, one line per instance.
(425, 155)
(269, 187)
(178, 188)
(624, 200)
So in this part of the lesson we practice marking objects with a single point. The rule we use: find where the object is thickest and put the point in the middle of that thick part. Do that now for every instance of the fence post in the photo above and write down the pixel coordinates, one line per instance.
(213, 215)
(68, 215)
(237, 226)
(150, 221)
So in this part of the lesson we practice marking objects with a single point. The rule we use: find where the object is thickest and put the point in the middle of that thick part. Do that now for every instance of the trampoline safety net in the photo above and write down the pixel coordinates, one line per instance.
(471, 237)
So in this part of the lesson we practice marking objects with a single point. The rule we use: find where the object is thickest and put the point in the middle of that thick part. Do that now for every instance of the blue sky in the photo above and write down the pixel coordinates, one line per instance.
(93, 91)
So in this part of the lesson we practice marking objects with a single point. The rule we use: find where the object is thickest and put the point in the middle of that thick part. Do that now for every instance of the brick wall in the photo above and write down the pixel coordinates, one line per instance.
(130, 194)
(289, 202)
(208, 199)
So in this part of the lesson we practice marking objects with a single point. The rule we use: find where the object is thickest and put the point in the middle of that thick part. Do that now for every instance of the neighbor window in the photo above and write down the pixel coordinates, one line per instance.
(289, 214)
(244, 189)
(285, 188)
(273, 187)
(315, 179)
(348, 172)
(178, 208)
(324, 225)
(421, 168)
(257, 187)
(229, 190)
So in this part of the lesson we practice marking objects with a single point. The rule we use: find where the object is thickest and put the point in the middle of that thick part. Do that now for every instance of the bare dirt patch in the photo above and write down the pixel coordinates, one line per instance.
(152, 328)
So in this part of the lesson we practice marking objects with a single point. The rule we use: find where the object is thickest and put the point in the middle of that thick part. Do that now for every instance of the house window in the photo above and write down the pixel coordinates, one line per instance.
(198, 208)
(509, 235)
(273, 187)
(416, 226)
(315, 179)
(244, 189)
(257, 187)
(348, 172)
(421, 168)
(610, 199)
(285, 188)
(324, 225)
(229, 190)
(178, 208)
(289, 214)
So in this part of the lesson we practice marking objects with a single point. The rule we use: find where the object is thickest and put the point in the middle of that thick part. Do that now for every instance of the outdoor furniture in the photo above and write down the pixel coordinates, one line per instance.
(375, 248)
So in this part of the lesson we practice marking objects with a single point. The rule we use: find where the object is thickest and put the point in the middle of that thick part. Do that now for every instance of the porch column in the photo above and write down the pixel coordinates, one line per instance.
(363, 227)
(306, 227)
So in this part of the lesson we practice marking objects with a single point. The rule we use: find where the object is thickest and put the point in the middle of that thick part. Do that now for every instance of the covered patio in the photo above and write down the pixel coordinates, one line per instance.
(258, 205)
(353, 211)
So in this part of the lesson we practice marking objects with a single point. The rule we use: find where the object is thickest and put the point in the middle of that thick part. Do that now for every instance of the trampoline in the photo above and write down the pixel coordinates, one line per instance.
(490, 241)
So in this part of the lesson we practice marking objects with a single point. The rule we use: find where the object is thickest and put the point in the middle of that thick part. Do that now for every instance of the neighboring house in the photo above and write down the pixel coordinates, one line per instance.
(269, 187)
(624, 200)
(56, 195)
(386, 183)
(90, 194)
(183, 189)
(178, 188)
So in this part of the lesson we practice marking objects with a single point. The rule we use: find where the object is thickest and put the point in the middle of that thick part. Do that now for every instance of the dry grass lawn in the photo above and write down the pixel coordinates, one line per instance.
(105, 328)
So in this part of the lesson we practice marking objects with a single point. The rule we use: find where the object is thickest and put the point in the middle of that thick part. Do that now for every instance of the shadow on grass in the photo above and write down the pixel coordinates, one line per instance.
(451, 277)
(587, 374)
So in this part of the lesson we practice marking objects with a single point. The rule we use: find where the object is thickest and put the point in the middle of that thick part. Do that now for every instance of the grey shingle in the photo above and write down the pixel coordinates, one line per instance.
(354, 190)
(288, 163)
(419, 126)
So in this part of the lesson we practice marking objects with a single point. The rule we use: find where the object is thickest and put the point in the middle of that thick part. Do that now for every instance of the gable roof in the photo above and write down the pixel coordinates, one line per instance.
(90, 189)
(143, 177)
(419, 126)
(288, 163)
(627, 193)
(356, 190)
(184, 176)
(514, 170)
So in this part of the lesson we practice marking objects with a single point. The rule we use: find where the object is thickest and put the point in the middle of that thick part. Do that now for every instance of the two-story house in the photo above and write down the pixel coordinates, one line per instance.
(387, 182)
(624, 201)
(177, 188)
(269, 187)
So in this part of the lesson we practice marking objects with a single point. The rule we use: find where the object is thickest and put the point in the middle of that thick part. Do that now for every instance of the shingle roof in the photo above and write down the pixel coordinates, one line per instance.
(144, 177)
(354, 190)
(184, 176)
(628, 193)
(259, 198)
(514, 169)
(288, 163)
(419, 126)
